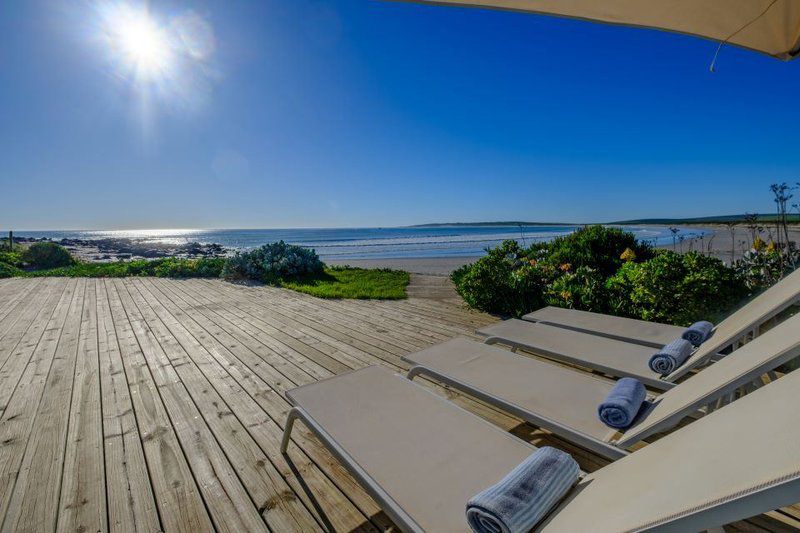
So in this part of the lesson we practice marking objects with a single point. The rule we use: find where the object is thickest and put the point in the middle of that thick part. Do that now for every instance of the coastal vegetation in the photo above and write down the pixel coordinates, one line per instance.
(161, 268)
(44, 255)
(273, 263)
(277, 264)
(606, 270)
(301, 269)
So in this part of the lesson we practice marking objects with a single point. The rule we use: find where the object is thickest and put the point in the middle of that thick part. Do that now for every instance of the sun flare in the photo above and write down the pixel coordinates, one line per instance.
(158, 61)
(138, 41)
(144, 44)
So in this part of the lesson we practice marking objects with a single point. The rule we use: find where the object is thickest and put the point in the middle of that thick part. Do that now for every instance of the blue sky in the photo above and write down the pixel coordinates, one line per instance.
(315, 113)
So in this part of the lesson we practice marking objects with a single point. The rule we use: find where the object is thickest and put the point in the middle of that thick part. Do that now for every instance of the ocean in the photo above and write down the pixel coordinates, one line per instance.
(365, 243)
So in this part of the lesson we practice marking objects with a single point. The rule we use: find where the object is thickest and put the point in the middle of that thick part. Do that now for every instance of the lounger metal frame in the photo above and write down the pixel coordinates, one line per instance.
(376, 492)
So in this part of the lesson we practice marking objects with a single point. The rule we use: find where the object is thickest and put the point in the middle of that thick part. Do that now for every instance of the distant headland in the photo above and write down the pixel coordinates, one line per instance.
(491, 224)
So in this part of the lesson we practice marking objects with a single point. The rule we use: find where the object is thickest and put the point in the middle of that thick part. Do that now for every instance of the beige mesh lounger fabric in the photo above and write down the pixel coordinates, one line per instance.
(620, 359)
(612, 357)
(565, 401)
(653, 334)
(758, 310)
(421, 457)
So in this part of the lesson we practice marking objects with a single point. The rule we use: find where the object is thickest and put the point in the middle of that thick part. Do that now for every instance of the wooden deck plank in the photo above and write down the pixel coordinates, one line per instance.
(23, 335)
(346, 358)
(371, 335)
(24, 392)
(228, 413)
(83, 487)
(273, 352)
(181, 508)
(12, 290)
(130, 500)
(34, 503)
(319, 364)
(367, 312)
(350, 340)
(12, 302)
(228, 502)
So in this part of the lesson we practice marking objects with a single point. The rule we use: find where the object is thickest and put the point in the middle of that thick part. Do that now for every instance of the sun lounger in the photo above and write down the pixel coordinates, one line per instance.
(564, 401)
(609, 356)
(422, 458)
(652, 334)
(761, 308)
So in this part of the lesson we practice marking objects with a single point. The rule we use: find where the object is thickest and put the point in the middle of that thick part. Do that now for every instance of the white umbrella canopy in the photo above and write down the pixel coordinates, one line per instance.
(768, 26)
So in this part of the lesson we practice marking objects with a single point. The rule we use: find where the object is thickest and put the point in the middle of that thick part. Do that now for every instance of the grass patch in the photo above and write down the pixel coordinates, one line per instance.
(354, 283)
(333, 282)
(160, 268)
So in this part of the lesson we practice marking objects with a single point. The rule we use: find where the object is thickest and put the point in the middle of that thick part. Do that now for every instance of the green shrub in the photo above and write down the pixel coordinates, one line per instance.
(675, 288)
(11, 258)
(43, 255)
(272, 263)
(583, 289)
(241, 266)
(597, 247)
(504, 281)
(761, 268)
(603, 270)
(9, 271)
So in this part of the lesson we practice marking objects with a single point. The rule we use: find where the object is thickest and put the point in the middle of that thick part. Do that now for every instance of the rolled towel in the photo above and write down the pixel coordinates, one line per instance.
(622, 404)
(521, 499)
(670, 357)
(698, 332)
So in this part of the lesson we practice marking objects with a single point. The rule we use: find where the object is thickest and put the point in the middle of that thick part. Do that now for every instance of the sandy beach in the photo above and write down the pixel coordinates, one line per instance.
(724, 244)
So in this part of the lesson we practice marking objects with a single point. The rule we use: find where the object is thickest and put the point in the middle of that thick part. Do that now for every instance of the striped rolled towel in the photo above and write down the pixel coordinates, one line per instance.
(670, 357)
(521, 499)
(698, 332)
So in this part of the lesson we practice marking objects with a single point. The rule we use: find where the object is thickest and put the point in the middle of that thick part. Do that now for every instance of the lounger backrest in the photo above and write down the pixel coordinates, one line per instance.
(761, 308)
(737, 462)
(765, 353)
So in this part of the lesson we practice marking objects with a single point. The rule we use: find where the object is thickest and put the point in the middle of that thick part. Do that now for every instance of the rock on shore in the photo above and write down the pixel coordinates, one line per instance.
(105, 250)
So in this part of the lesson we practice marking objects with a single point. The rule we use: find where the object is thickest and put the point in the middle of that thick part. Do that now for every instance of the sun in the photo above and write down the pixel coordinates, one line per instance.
(138, 41)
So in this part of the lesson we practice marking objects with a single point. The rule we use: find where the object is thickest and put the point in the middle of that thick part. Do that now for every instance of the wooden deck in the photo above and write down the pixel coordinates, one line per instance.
(150, 404)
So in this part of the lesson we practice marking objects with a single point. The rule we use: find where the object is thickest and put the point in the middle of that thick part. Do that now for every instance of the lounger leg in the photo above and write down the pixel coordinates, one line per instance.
(294, 413)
